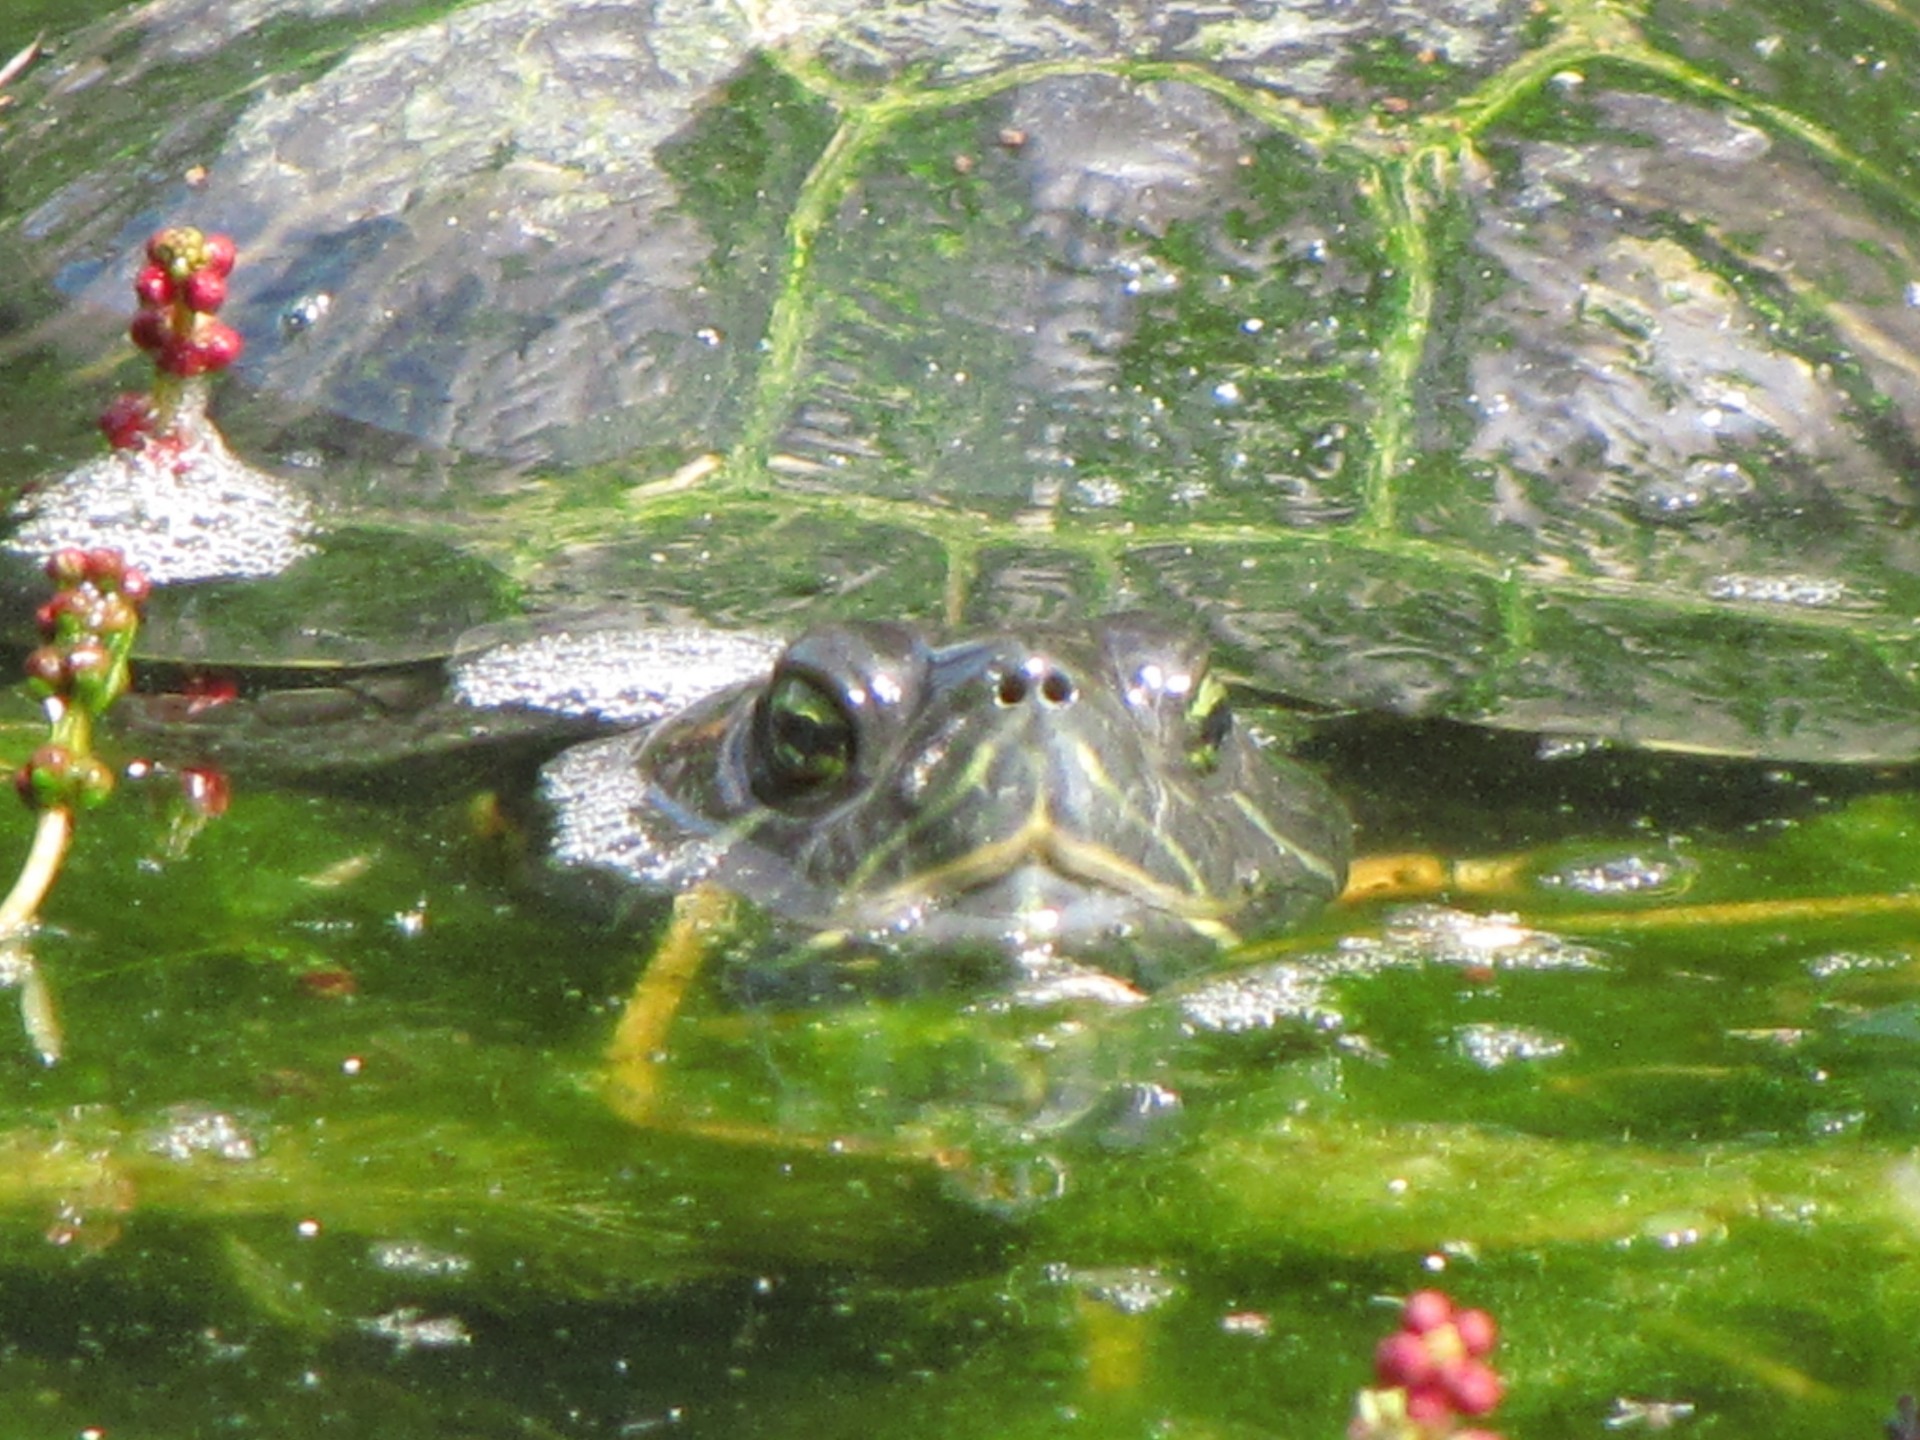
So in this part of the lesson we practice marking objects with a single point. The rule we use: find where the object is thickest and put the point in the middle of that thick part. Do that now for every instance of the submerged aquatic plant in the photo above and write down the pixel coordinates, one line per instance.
(182, 285)
(80, 668)
(179, 289)
(170, 491)
(160, 438)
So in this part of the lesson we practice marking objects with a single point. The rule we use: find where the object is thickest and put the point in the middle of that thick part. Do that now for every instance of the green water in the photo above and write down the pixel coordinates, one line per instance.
(334, 1149)
(913, 1217)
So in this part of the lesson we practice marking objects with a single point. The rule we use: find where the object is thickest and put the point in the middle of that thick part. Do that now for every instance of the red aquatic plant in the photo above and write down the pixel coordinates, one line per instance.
(1432, 1376)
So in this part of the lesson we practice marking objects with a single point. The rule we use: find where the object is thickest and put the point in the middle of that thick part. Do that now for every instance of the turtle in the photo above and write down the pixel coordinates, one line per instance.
(1546, 367)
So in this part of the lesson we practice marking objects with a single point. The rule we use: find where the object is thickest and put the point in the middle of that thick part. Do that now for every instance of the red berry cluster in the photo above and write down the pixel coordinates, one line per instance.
(1438, 1357)
(86, 629)
(183, 283)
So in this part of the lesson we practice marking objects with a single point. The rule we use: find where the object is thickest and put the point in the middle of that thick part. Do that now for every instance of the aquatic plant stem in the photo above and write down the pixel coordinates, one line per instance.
(51, 833)
(700, 918)
(79, 670)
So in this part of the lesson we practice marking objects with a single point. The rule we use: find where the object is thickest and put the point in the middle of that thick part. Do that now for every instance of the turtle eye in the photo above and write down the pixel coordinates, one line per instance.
(1209, 719)
(806, 737)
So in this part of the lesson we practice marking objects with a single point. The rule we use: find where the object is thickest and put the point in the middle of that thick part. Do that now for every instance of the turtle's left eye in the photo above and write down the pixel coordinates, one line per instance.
(805, 740)
(1209, 719)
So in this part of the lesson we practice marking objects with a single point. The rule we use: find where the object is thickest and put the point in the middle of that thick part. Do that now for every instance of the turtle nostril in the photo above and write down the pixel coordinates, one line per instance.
(1013, 688)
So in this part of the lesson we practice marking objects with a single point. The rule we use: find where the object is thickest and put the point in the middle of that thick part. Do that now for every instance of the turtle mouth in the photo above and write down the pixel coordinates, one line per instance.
(1041, 880)
(997, 795)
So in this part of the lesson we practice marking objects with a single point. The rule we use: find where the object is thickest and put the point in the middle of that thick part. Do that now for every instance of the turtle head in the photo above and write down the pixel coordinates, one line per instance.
(1080, 789)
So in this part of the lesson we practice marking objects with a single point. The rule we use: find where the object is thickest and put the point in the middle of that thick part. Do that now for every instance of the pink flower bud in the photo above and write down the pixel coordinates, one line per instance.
(1477, 1331)
(47, 670)
(1426, 1310)
(220, 344)
(217, 255)
(105, 566)
(181, 355)
(1401, 1361)
(1472, 1386)
(1429, 1407)
(67, 566)
(204, 291)
(150, 330)
(154, 286)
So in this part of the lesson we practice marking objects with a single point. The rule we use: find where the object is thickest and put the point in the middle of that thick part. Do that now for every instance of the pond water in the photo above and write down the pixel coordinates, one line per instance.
(336, 1145)
(333, 1147)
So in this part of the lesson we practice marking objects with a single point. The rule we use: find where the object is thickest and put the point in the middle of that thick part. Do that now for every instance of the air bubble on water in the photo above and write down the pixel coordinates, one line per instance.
(1145, 275)
(1620, 875)
(1493, 1047)
(411, 1328)
(304, 313)
(1012, 1187)
(1295, 992)
(1810, 591)
(1835, 1124)
(1132, 1117)
(1681, 1232)
(1263, 998)
(1704, 489)
(1836, 964)
(1567, 747)
(1128, 1289)
(411, 1257)
(1440, 935)
(1099, 492)
(196, 513)
(192, 1131)
(620, 674)
(1781, 1037)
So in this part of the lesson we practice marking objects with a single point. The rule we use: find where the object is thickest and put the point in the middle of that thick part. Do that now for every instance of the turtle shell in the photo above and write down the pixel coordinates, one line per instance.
(1551, 366)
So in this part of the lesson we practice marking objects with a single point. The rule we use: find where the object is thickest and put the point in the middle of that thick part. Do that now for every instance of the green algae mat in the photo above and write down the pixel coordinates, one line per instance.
(1515, 385)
